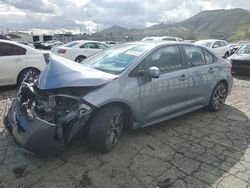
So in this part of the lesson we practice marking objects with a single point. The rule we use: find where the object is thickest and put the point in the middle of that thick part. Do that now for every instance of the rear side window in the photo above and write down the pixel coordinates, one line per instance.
(223, 43)
(71, 44)
(194, 56)
(208, 57)
(90, 45)
(11, 50)
(102, 46)
(216, 44)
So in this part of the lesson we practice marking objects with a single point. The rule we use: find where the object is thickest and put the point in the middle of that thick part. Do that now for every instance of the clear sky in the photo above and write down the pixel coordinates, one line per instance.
(71, 15)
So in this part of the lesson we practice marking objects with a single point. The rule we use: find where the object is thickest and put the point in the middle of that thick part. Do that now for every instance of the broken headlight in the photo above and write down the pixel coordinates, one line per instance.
(61, 108)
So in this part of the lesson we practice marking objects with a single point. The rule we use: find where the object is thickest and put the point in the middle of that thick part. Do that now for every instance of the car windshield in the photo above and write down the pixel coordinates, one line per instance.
(204, 43)
(244, 49)
(70, 44)
(115, 60)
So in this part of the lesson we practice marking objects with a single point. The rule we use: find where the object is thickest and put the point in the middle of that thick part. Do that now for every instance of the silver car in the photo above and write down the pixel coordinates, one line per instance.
(130, 85)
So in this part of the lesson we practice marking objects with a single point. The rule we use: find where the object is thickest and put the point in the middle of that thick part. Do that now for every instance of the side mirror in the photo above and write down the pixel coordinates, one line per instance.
(153, 72)
(216, 46)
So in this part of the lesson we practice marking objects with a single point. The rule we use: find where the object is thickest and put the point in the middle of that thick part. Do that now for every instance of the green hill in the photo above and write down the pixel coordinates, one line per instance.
(115, 33)
(223, 24)
(232, 25)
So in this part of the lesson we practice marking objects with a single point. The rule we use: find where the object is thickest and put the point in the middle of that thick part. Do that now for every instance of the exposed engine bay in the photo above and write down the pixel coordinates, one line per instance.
(55, 115)
(63, 107)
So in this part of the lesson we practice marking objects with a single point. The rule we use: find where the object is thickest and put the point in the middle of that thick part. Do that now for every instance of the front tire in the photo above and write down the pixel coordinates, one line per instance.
(34, 72)
(218, 97)
(106, 128)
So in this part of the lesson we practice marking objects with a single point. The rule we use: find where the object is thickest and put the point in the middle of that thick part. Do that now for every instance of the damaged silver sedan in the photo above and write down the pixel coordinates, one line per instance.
(128, 86)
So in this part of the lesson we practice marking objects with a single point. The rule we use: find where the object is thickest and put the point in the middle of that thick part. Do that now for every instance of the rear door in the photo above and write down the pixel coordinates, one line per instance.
(12, 59)
(167, 94)
(200, 68)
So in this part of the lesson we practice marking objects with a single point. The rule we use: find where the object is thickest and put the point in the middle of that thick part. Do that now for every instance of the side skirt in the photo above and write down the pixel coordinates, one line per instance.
(137, 125)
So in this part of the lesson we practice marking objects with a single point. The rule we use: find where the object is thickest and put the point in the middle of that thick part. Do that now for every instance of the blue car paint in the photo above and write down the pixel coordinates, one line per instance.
(61, 72)
(149, 101)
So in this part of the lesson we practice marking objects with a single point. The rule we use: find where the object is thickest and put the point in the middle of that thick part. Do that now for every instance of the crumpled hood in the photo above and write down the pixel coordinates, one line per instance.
(61, 72)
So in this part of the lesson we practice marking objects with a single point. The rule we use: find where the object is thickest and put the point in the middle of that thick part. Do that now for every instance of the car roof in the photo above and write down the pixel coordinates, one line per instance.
(155, 44)
(158, 43)
(84, 41)
(210, 40)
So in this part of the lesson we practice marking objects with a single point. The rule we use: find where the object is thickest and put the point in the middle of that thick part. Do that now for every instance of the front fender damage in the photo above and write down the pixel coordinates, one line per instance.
(44, 121)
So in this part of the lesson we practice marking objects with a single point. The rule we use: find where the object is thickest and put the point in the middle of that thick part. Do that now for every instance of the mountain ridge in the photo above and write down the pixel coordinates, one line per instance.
(229, 24)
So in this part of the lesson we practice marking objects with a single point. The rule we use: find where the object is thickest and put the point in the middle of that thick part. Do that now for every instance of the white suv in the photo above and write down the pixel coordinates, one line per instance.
(17, 60)
(220, 47)
(79, 50)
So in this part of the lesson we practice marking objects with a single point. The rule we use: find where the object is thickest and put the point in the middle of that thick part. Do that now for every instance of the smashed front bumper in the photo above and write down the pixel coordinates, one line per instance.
(38, 135)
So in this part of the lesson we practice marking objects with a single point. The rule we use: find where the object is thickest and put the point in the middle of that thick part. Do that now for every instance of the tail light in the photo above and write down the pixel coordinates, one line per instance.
(229, 65)
(61, 51)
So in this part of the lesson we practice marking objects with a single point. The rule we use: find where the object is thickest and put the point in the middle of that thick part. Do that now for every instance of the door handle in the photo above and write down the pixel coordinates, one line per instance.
(211, 70)
(183, 77)
(18, 60)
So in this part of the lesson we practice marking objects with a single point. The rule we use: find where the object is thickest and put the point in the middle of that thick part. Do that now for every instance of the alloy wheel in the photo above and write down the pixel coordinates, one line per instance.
(220, 96)
(115, 129)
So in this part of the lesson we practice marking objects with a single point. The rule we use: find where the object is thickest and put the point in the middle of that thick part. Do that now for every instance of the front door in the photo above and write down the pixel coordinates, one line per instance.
(167, 94)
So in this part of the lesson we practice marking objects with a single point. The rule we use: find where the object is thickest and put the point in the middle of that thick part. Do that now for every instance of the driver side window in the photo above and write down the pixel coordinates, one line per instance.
(167, 59)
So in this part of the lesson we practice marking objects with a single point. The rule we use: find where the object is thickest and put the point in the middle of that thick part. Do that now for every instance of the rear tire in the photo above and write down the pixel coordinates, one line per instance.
(106, 128)
(218, 97)
(35, 73)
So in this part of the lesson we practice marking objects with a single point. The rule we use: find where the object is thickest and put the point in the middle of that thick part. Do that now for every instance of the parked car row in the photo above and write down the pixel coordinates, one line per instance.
(79, 50)
(47, 45)
(220, 47)
(240, 60)
(27, 43)
(17, 59)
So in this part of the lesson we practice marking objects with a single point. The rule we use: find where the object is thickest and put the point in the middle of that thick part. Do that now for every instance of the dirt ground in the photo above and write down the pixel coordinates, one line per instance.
(200, 149)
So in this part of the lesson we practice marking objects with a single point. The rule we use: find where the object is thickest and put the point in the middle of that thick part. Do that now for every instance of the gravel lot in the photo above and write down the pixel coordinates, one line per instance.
(200, 149)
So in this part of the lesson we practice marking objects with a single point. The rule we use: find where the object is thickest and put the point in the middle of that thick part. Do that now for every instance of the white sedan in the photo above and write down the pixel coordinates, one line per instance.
(18, 60)
(79, 50)
(220, 47)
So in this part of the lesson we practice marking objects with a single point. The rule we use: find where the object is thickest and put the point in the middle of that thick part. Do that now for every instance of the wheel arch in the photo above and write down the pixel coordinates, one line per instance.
(127, 109)
(26, 68)
(223, 81)
(80, 56)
